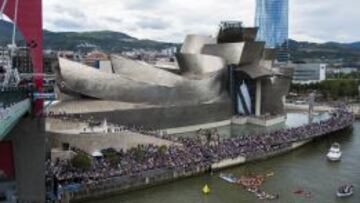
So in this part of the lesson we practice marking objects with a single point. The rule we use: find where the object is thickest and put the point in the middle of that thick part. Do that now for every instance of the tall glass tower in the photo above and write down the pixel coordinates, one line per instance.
(272, 19)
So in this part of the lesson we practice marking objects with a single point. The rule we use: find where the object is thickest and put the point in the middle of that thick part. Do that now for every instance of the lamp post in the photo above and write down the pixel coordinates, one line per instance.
(311, 101)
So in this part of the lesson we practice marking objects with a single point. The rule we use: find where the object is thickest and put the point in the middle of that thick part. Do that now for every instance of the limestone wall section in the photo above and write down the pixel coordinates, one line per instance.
(91, 142)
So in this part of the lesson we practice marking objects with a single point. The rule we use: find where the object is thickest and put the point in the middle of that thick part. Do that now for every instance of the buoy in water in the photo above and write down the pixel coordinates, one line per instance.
(206, 189)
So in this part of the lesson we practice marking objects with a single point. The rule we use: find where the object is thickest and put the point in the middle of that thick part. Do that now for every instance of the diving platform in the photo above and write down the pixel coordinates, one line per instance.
(11, 115)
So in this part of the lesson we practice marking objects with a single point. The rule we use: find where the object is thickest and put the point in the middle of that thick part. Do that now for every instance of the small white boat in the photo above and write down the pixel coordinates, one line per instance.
(228, 178)
(345, 191)
(334, 153)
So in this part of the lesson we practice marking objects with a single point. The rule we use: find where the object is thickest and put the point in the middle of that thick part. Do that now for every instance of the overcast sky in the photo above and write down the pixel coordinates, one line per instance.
(171, 20)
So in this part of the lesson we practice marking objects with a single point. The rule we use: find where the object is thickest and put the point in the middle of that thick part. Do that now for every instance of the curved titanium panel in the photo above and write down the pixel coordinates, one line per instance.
(143, 72)
(255, 71)
(230, 35)
(253, 52)
(272, 92)
(287, 70)
(193, 44)
(269, 54)
(88, 81)
(231, 52)
(250, 34)
(197, 64)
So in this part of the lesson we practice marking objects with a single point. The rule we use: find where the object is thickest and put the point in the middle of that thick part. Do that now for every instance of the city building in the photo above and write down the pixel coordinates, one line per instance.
(309, 73)
(69, 55)
(94, 58)
(342, 70)
(272, 19)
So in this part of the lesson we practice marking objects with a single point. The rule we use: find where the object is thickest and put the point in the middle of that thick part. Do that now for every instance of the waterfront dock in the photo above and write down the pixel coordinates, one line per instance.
(122, 184)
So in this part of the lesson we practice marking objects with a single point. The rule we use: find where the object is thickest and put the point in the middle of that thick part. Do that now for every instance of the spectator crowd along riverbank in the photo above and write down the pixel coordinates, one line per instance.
(194, 154)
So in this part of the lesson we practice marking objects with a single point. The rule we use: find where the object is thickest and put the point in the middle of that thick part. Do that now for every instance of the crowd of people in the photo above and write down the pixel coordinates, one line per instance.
(192, 153)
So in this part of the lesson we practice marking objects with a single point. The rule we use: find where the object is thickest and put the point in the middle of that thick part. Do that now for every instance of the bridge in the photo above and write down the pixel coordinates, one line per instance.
(10, 116)
(27, 19)
(22, 148)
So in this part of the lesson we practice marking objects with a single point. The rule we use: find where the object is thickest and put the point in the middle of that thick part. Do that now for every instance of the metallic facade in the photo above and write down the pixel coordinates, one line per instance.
(139, 85)
(210, 70)
(272, 19)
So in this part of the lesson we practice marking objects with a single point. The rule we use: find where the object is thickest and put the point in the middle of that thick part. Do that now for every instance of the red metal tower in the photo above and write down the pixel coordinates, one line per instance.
(29, 23)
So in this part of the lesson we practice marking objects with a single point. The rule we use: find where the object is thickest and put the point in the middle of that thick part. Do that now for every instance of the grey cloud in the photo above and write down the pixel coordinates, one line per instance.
(322, 20)
(328, 20)
(73, 12)
(68, 25)
(143, 4)
(153, 23)
(114, 19)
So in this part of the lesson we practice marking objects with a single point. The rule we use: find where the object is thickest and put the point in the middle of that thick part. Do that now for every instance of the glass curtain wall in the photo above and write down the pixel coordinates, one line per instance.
(272, 19)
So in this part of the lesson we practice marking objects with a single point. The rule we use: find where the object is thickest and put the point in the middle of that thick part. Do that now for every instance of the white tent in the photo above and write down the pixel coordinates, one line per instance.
(96, 154)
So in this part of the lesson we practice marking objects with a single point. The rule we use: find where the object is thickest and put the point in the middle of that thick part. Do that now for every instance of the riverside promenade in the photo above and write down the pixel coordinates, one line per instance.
(229, 152)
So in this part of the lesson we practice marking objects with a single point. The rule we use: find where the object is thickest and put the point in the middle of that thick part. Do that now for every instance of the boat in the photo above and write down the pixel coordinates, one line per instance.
(251, 181)
(261, 195)
(345, 190)
(334, 153)
(230, 178)
(270, 174)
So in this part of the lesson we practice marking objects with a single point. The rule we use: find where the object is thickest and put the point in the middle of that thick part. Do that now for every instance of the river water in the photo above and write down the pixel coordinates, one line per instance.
(305, 168)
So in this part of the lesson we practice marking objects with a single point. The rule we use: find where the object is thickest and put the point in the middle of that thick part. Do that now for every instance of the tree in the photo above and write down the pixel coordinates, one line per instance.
(111, 156)
(81, 161)
(335, 89)
(163, 149)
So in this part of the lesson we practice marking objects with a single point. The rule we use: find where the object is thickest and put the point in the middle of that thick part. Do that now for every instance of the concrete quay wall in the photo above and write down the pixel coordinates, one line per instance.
(166, 117)
(353, 108)
(255, 157)
(58, 125)
(120, 185)
(91, 142)
(305, 107)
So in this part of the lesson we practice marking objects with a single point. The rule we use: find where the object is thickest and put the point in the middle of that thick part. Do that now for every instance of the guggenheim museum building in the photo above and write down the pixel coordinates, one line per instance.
(216, 79)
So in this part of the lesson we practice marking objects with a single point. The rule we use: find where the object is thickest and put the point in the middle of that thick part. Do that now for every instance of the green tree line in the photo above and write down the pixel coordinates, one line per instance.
(330, 89)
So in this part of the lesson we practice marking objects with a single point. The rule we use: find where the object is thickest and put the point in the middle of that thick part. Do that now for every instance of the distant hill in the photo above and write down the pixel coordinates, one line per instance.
(111, 41)
(6, 33)
(108, 41)
(348, 52)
